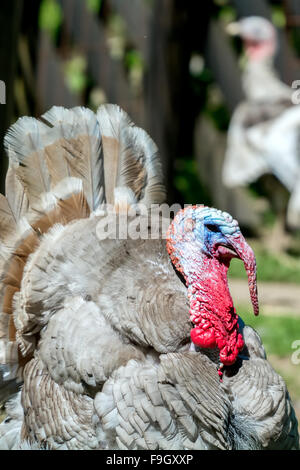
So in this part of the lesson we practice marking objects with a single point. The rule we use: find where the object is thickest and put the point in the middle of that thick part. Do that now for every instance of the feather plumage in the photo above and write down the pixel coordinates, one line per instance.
(78, 151)
(132, 165)
(98, 328)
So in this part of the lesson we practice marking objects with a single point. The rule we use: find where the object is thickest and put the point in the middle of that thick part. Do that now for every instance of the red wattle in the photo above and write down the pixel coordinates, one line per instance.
(213, 313)
(211, 307)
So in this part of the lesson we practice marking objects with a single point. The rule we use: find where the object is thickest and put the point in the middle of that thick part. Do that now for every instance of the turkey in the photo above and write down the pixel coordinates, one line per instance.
(263, 136)
(115, 341)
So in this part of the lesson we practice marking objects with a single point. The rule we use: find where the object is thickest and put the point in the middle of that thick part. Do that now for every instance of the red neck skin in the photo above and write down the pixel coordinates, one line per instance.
(212, 310)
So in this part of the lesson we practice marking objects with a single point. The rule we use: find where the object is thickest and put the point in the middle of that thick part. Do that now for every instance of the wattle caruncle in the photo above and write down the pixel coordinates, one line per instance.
(201, 242)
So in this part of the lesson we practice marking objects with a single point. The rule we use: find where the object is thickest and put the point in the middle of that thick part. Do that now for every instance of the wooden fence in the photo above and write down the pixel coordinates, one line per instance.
(164, 33)
(148, 27)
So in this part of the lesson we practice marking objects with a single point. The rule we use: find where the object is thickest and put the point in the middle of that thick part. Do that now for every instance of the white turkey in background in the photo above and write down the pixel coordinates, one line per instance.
(263, 135)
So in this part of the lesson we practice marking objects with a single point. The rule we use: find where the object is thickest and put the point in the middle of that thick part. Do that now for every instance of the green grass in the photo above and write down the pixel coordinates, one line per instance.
(277, 333)
(269, 268)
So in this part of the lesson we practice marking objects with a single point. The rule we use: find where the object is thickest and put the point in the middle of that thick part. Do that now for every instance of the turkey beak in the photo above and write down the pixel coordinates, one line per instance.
(246, 254)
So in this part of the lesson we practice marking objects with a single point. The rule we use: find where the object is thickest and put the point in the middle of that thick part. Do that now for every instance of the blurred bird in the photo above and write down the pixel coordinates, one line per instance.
(123, 342)
(263, 136)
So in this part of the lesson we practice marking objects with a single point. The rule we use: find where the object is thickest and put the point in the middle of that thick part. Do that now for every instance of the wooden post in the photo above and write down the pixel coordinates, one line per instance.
(223, 63)
(10, 17)
(166, 90)
(51, 87)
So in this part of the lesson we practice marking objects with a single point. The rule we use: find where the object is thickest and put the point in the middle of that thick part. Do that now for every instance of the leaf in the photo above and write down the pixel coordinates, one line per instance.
(50, 16)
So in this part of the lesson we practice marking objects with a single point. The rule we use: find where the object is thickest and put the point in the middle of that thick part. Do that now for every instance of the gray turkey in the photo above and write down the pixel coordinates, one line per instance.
(121, 342)
(263, 136)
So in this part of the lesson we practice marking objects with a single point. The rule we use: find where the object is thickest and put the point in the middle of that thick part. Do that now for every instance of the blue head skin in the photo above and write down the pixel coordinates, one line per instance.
(211, 229)
(217, 234)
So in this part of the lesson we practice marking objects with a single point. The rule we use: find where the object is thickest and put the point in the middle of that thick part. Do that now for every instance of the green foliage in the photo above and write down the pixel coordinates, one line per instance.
(268, 218)
(278, 16)
(135, 65)
(50, 17)
(294, 249)
(277, 332)
(116, 36)
(75, 73)
(269, 268)
(94, 5)
(133, 59)
(227, 14)
(203, 85)
(220, 116)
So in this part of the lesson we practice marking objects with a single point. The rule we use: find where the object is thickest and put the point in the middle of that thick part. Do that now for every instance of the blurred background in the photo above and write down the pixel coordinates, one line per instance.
(178, 73)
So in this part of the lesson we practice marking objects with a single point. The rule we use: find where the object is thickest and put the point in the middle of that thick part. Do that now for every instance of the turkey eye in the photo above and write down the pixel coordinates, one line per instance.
(212, 228)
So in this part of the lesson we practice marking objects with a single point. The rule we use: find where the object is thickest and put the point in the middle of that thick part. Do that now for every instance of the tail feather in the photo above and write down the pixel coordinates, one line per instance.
(78, 150)
(64, 204)
(68, 145)
(112, 119)
(7, 219)
(24, 145)
(140, 166)
(132, 167)
(16, 195)
(63, 167)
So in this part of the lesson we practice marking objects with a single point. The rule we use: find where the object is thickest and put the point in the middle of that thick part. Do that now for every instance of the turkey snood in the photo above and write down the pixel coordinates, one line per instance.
(201, 243)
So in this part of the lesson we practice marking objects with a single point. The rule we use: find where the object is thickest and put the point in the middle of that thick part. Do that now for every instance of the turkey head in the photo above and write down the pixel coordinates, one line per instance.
(201, 243)
(259, 37)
